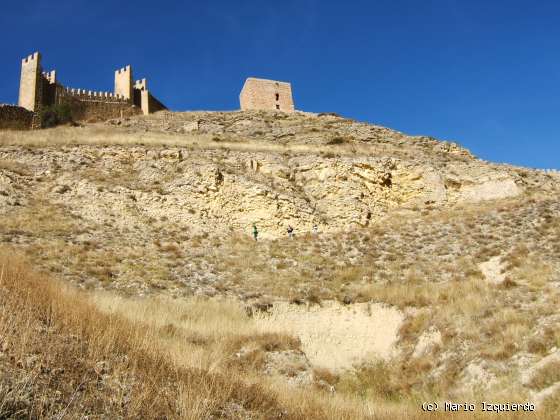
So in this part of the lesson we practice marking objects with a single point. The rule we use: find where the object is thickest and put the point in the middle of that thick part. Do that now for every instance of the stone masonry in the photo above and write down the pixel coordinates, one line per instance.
(40, 89)
(15, 117)
(267, 95)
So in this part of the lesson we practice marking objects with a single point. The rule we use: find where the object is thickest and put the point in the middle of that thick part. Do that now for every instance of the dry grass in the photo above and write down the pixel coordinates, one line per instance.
(66, 357)
(425, 262)
(67, 354)
(39, 218)
(103, 135)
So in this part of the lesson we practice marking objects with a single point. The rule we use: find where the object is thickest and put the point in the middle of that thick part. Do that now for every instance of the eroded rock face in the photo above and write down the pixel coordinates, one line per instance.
(216, 190)
(492, 189)
(271, 169)
(337, 336)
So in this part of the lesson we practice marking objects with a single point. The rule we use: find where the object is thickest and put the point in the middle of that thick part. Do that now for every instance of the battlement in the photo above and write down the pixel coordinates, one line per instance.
(32, 59)
(125, 69)
(39, 89)
(94, 95)
(141, 84)
(50, 76)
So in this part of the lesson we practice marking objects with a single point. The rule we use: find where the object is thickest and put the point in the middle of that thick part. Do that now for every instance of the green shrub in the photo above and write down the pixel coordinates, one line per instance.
(54, 115)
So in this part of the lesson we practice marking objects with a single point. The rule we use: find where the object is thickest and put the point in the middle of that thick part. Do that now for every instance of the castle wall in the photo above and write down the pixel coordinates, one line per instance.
(149, 103)
(88, 105)
(267, 95)
(40, 89)
(15, 117)
(48, 91)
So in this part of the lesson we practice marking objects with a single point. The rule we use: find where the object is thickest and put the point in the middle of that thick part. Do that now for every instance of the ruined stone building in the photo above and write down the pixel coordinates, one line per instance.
(39, 89)
(267, 95)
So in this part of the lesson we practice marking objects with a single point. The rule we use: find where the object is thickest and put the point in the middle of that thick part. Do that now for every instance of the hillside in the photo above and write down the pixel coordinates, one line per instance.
(417, 271)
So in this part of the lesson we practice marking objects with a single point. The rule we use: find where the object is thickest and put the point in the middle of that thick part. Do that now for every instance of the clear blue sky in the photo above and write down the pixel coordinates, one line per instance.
(483, 73)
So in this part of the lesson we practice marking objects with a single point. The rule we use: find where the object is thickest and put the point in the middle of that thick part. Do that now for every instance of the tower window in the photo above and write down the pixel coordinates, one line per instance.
(277, 106)
(277, 96)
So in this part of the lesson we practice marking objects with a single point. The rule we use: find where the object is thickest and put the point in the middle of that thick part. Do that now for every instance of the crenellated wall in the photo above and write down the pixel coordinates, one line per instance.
(40, 89)
(88, 105)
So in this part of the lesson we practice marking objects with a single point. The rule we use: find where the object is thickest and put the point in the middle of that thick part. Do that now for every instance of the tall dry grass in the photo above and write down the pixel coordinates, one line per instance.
(68, 354)
(64, 357)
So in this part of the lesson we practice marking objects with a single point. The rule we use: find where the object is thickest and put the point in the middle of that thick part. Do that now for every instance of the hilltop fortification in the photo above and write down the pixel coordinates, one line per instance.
(262, 94)
(39, 89)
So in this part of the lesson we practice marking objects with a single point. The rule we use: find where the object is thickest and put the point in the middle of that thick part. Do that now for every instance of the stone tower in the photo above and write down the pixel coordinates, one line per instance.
(266, 94)
(30, 82)
(123, 82)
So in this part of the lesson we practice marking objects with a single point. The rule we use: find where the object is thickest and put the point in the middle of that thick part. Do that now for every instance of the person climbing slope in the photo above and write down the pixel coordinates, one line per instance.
(255, 232)
(290, 232)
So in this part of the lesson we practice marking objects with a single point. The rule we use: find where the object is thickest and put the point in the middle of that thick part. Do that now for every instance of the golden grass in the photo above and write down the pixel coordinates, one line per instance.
(428, 263)
(61, 329)
(104, 135)
(72, 354)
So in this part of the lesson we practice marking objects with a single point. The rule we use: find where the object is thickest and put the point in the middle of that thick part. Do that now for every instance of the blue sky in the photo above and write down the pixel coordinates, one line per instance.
(483, 73)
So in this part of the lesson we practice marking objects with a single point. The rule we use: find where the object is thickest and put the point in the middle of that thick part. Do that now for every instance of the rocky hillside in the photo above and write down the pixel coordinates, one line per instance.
(236, 169)
(461, 255)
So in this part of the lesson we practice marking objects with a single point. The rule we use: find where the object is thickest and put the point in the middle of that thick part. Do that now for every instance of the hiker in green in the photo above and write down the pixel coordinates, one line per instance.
(255, 231)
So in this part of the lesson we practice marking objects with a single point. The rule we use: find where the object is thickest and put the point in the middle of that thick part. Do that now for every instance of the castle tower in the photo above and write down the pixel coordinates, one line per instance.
(51, 77)
(141, 84)
(123, 82)
(30, 82)
(266, 94)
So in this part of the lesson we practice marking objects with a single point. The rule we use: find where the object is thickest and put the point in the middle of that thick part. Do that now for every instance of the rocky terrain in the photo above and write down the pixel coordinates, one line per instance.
(455, 260)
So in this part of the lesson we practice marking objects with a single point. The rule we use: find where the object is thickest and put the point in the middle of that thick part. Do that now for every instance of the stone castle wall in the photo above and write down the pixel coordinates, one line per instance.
(94, 106)
(149, 103)
(15, 117)
(39, 90)
(267, 95)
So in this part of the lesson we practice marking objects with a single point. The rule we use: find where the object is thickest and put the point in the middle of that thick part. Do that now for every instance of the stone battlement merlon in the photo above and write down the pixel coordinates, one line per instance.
(123, 69)
(50, 76)
(141, 84)
(36, 56)
(82, 93)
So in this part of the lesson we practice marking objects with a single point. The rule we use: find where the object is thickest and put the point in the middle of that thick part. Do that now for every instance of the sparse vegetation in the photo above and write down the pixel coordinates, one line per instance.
(130, 211)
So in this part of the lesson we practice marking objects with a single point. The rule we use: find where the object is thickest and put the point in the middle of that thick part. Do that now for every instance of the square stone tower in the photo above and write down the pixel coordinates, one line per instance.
(267, 95)
(30, 82)
(123, 82)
